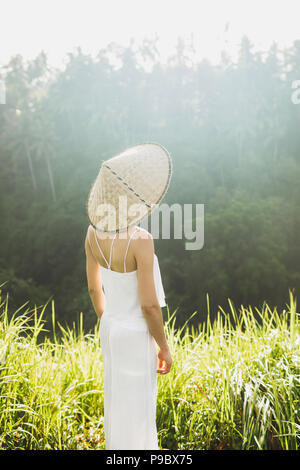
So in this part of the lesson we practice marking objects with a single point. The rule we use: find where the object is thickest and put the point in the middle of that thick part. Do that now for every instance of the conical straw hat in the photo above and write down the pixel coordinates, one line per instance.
(129, 187)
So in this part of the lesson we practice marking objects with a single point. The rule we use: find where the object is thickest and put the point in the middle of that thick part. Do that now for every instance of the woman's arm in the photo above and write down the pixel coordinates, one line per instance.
(151, 309)
(94, 280)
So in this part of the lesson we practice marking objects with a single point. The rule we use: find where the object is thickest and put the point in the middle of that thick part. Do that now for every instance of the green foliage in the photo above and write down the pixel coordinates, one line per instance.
(38, 295)
(234, 382)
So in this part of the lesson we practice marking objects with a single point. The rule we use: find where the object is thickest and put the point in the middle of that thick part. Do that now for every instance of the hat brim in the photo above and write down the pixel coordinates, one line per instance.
(141, 174)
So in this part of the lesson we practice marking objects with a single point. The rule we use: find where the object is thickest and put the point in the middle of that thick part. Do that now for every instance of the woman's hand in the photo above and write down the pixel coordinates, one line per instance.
(164, 361)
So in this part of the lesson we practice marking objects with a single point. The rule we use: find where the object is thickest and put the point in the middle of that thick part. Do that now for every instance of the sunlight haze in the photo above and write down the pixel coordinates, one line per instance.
(59, 27)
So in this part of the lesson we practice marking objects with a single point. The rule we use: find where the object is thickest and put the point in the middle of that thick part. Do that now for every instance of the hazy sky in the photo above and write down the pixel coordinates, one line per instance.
(59, 26)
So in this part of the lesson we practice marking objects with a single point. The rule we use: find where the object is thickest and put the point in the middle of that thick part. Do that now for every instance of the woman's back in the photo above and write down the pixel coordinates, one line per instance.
(121, 287)
(116, 250)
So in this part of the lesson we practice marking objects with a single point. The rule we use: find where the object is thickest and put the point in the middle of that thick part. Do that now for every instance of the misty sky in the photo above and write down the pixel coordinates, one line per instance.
(59, 26)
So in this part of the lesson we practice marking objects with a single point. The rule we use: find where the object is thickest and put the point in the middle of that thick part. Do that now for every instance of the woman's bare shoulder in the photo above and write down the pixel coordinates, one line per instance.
(144, 245)
(142, 233)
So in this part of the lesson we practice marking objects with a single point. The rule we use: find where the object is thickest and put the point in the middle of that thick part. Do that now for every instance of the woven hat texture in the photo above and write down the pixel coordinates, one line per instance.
(129, 187)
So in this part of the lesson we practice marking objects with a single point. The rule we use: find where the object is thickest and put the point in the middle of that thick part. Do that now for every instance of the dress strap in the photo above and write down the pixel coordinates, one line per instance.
(89, 240)
(108, 264)
(111, 250)
(128, 247)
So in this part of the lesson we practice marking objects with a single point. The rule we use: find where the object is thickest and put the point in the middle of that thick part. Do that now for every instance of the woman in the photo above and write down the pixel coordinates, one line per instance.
(120, 259)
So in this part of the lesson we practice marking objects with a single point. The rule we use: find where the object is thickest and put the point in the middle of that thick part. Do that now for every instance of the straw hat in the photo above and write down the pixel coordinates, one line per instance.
(129, 187)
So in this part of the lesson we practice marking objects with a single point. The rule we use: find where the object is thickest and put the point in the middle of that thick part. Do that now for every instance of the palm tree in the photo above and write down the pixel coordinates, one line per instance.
(17, 134)
(44, 145)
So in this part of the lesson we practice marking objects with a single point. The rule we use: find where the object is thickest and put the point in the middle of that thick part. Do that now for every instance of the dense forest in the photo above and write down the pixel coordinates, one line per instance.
(232, 130)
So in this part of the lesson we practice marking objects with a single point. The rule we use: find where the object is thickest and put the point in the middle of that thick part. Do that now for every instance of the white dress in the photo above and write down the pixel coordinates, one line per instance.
(129, 354)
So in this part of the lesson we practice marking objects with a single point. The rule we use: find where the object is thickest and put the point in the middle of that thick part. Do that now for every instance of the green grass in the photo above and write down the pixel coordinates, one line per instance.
(234, 382)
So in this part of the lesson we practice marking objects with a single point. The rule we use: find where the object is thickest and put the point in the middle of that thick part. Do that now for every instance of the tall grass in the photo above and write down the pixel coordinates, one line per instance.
(234, 382)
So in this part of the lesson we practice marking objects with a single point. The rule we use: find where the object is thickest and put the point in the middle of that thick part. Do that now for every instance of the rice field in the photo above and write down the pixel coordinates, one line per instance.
(234, 382)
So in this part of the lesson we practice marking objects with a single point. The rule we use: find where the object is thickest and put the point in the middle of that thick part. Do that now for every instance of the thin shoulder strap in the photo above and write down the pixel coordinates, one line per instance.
(128, 247)
(89, 240)
(111, 250)
(108, 264)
